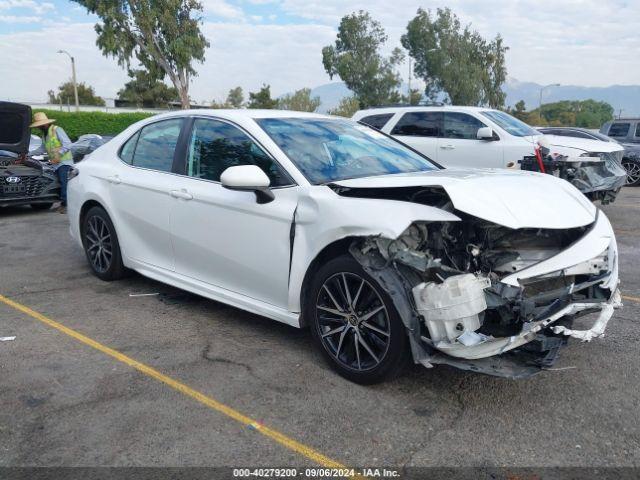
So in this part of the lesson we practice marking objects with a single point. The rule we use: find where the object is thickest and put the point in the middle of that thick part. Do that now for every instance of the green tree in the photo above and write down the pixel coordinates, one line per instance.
(519, 110)
(300, 101)
(86, 94)
(235, 98)
(262, 98)
(346, 108)
(456, 60)
(147, 90)
(413, 97)
(356, 59)
(163, 36)
(578, 113)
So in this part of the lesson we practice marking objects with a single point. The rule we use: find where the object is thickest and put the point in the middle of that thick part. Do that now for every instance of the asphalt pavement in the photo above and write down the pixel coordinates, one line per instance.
(67, 403)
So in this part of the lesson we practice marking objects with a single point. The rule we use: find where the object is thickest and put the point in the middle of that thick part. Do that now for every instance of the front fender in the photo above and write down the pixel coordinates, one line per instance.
(323, 217)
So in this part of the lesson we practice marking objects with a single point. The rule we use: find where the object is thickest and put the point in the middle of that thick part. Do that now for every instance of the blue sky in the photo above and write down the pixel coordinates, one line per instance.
(33, 15)
(279, 42)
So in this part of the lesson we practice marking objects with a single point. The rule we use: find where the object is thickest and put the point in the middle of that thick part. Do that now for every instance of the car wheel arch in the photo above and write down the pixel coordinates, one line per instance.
(88, 205)
(328, 252)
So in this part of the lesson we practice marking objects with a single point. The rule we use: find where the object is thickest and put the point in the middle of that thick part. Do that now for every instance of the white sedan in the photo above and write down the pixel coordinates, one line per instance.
(322, 222)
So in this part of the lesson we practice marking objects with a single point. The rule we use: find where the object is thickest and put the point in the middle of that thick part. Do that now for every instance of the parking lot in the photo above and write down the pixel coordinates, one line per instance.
(216, 386)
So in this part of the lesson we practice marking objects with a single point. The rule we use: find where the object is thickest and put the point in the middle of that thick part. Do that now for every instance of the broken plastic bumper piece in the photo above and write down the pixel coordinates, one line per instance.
(599, 326)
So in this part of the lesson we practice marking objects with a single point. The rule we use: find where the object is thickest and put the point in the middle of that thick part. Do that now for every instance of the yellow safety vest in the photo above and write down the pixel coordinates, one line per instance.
(52, 145)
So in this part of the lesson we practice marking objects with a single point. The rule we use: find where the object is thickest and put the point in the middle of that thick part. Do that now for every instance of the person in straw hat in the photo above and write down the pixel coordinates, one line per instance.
(58, 146)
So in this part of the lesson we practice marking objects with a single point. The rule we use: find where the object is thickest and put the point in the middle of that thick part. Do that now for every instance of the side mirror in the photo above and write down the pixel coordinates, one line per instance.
(485, 133)
(248, 178)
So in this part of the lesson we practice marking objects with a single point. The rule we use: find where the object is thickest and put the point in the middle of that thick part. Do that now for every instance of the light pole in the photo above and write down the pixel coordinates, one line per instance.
(542, 90)
(73, 78)
(409, 93)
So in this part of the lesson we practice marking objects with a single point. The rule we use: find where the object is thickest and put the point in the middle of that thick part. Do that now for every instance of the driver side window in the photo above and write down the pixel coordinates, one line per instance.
(215, 146)
(461, 126)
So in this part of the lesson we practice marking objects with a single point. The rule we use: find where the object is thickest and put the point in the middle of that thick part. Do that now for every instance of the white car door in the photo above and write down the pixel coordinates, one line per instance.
(459, 145)
(140, 193)
(224, 237)
(419, 130)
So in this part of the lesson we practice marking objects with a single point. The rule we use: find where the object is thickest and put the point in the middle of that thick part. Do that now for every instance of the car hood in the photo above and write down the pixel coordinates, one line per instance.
(14, 127)
(584, 144)
(514, 199)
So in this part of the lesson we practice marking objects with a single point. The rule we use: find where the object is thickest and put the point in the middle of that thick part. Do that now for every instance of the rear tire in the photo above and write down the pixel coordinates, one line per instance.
(101, 245)
(41, 206)
(354, 323)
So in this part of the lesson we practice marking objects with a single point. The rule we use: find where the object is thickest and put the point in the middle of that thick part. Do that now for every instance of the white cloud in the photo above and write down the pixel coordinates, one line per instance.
(583, 42)
(19, 19)
(35, 68)
(37, 7)
(287, 57)
(222, 9)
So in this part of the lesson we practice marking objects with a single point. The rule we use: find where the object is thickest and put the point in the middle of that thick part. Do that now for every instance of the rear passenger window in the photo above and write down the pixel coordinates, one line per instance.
(638, 130)
(619, 129)
(126, 152)
(156, 145)
(377, 121)
(461, 126)
(419, 124)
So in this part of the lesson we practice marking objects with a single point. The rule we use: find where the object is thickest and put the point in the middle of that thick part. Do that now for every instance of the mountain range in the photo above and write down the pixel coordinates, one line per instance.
(625, 99)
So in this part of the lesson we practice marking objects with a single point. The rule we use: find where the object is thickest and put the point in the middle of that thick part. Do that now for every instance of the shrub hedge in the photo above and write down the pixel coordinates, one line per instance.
(80, 123)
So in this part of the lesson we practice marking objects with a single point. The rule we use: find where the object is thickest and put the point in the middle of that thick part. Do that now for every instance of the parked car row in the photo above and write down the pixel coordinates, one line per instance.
(324, 222)
(485, 138)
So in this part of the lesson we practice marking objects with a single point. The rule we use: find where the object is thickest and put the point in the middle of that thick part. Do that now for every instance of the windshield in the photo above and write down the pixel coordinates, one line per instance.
(327, 150)
(511, 124)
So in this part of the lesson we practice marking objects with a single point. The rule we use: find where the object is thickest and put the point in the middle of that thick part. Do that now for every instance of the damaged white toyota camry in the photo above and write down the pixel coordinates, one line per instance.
(322, 222)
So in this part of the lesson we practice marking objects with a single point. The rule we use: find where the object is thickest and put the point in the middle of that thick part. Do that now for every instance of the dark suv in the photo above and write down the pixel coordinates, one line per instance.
(23, 181)
(627, 132)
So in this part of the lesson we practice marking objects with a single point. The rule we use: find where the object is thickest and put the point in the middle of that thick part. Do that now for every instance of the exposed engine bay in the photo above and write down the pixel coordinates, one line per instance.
(485, 297)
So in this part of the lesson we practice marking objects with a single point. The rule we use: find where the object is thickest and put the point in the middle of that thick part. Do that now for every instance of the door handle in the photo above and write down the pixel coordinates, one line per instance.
(115, 179)
(183, 194)
(447, 147)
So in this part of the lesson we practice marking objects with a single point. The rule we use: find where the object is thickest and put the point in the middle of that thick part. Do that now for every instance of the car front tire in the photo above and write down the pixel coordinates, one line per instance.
(101, 245)
(354, 323)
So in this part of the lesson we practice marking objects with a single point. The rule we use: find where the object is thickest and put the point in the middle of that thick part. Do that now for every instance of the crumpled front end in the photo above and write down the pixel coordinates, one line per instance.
(487, 298)
(600, 176)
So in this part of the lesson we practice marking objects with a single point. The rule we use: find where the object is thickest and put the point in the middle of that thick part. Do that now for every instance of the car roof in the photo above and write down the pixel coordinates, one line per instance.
(581, 129)
(242, 114)
(419, 108)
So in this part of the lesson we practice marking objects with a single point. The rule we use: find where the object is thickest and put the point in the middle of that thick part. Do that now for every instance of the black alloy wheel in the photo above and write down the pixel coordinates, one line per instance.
(633, 172)
(101, 245)
(355, 324)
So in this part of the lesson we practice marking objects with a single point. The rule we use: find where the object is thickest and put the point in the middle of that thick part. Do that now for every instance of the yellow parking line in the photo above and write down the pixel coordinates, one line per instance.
(632, 299)
(210, 402)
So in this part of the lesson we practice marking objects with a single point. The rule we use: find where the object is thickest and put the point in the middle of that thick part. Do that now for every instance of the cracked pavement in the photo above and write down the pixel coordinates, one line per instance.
(64, 404)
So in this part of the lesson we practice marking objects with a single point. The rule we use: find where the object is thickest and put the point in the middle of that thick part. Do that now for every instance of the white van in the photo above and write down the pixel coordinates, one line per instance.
(475, 136)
